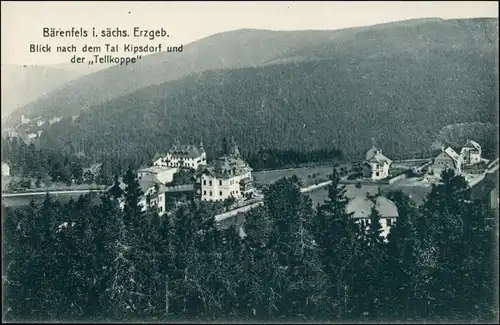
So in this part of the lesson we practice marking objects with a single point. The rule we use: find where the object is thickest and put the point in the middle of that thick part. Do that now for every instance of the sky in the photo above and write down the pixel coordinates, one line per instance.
(185, 22)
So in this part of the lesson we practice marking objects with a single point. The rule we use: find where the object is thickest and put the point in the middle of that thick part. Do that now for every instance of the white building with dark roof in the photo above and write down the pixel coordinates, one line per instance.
(471, 153)
(5, 169)
(229, 176)
(162, 175)
(153, 198)
(376, 165)
(360, 208)
(182, 156)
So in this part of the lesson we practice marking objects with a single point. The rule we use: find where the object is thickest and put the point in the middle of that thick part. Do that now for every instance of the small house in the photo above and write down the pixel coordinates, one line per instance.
(447, 159)
(164, 175)
(152, 199)
(5, 169)
(471, 153)
(360, 208)
(92, 172)
(376, 165)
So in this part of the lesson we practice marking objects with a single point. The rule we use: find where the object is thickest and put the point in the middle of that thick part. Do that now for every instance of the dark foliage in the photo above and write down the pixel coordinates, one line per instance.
(419, 76)
(89, 261)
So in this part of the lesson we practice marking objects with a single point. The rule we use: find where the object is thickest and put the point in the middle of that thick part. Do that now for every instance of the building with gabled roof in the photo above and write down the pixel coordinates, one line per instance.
(471, 153)
(153, 198)
(228, 176)
(182, 156)
(447, 159)
(376, 165)
(360, 207)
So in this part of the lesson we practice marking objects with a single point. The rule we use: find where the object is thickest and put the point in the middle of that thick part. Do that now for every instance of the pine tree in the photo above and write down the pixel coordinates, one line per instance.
(293, 259)
(369, 276)
(225, 146)
(402, 249)
(336, 235)
(133, 193)
(115, 191)
(444, 215)
(374, 234)
(32, 273)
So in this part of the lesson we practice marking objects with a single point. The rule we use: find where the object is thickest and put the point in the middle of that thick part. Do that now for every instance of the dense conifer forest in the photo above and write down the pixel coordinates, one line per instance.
(400, 83)
(88, 260)
(51, 165)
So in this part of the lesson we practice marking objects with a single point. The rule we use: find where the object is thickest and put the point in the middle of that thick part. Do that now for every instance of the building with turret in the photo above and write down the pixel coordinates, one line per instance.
(376, 165)
(228, 176)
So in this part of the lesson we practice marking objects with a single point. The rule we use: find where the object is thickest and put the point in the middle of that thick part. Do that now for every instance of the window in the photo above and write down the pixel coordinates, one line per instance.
(389, 222)
(377, 174)
(210, 193)
(204, 182)
(220, 182)
(204, 192)
(220, 193)
(210, 183)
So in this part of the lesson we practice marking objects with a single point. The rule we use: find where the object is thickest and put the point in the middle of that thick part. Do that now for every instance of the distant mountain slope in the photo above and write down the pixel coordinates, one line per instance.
(400, 85)
(22, 84)
(82, 69)
(242, 48)
(235, 49)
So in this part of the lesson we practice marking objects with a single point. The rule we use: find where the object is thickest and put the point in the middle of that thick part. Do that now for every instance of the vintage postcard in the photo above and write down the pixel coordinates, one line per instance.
(250, 162)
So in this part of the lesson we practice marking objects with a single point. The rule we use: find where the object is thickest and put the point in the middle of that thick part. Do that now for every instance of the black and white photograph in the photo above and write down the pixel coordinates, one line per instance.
(250, 162)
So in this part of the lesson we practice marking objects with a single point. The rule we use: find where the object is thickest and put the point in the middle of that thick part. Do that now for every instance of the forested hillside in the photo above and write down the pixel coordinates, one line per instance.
(456, 135)
(22, 84)
(240, 48)
(402, 100)
(423, 38)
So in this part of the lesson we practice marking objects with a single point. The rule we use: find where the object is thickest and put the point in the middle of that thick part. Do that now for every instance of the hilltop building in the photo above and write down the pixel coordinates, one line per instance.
(182, 156)
(229, 176)
(55, 119)
(24, 120)
(10, 133)
(376, 165)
